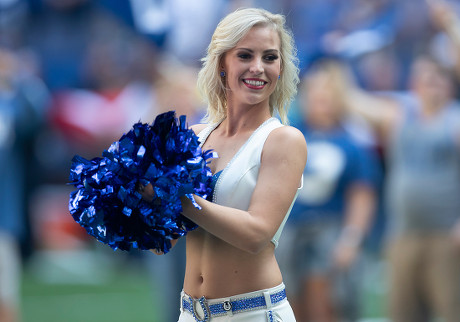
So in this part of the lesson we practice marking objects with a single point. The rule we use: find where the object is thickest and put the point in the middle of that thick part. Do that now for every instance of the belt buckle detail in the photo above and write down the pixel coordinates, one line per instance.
(227, 305)
(204, 305)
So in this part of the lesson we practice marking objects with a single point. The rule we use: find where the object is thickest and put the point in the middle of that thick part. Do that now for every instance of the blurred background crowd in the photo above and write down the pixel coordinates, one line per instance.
(375, 233)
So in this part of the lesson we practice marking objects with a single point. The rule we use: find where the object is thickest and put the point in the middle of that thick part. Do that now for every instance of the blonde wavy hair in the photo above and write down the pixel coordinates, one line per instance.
(230, 30)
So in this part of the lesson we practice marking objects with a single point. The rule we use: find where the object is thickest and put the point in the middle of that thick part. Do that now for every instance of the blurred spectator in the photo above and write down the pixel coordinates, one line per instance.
(361, 27)
(178, 28)
(192, 25)
(13, 14)
(354, 29)
(380, 70)
(421, 133)
(80, 45)
(100, 75)
(22, 102)
(59, 32)
(310, 21)
(175, 89)
(334, 210)
(347, 29)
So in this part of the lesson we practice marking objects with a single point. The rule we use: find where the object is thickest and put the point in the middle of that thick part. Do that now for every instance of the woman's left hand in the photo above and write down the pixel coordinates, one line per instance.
(344, 255)
(147, 192)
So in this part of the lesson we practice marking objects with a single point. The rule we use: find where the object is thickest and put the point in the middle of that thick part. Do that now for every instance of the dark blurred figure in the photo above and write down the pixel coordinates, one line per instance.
(100, 75)
(348, 29)
(13, 15)
(333, 212)
(178, 28)
(59, 32)
(23, 99)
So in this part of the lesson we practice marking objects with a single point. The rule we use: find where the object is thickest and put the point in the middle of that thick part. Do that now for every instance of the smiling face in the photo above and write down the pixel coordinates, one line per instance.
(252, 67)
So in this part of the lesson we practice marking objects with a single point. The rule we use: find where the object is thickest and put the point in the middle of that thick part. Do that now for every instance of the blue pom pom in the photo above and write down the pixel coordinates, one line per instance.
(107, 202)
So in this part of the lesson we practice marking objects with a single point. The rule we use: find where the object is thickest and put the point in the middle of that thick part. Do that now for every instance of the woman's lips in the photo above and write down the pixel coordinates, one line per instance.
(253, 83)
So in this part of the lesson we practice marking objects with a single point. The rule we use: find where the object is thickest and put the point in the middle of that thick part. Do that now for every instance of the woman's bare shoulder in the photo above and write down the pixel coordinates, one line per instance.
(288, 136)
(197, 128)
(287, 143)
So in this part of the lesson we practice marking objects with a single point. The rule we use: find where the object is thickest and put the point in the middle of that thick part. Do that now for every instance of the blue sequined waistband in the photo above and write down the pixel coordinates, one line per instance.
(234, 304)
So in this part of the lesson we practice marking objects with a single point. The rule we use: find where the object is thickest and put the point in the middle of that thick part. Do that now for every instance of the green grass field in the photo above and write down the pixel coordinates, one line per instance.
(125, 298)
(52, 294)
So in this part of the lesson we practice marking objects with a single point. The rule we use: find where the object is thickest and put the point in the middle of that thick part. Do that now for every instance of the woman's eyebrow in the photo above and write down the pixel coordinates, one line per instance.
(265, 51)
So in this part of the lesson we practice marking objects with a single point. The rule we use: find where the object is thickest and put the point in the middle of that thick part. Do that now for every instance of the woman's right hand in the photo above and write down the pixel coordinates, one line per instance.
(147, 192)
(157, 252)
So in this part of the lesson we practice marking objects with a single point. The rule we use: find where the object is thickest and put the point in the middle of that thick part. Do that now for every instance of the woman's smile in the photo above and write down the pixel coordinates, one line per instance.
(254, 83)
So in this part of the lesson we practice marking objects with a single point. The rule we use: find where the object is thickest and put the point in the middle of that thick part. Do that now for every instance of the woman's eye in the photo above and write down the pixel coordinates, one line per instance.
(244, 56)
(271, 57)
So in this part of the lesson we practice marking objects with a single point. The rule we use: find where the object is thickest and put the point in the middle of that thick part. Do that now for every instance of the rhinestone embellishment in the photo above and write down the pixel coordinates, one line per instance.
(224, 307)
(204, 306)
(227, 305)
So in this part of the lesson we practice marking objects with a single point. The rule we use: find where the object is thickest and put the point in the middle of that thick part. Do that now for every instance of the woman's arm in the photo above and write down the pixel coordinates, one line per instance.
(361, 201)
(444, 16)
(381, 113)
(282, 163)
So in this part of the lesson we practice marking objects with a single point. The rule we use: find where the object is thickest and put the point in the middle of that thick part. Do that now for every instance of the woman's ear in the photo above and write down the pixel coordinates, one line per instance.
(221, 61)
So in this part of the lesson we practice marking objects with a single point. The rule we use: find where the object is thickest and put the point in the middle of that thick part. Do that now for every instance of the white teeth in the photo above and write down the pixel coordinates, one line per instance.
(254, 82)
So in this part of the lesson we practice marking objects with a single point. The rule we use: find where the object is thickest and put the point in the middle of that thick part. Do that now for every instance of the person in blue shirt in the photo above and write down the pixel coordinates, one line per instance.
(333, 211)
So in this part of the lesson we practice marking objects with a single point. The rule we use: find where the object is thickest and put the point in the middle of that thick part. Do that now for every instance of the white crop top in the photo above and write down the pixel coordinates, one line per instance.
(236, 184)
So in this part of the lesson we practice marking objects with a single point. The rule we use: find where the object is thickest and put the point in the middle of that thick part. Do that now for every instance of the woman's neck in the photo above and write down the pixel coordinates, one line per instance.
(244, 118)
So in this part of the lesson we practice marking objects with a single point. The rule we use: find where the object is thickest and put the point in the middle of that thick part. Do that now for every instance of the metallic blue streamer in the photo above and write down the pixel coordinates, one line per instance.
(107, 202)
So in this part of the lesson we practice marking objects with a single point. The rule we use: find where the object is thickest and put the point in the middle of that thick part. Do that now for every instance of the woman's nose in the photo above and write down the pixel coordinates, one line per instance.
(256, 66)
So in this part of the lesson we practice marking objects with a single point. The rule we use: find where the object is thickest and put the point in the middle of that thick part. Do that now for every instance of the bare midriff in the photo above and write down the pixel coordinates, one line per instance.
(216, 269)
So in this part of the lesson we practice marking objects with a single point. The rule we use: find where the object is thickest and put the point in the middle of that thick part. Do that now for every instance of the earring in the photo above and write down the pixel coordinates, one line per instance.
(279, 76)
(222, 73)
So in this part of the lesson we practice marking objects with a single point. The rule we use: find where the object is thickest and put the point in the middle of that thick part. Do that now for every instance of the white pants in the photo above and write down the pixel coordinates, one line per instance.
(281, 312)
